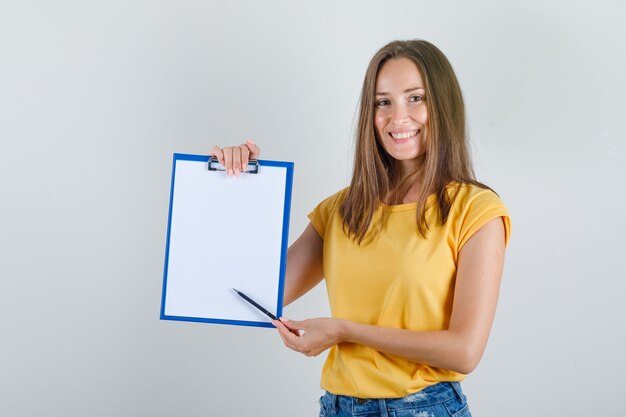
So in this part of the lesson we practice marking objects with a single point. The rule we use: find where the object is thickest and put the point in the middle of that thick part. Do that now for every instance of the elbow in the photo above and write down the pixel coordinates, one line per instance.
(290, 295)
(467, 358)
(288, 300)
(466, 367)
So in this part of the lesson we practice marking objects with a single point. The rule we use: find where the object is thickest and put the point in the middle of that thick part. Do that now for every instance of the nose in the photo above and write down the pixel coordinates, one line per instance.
(400, 114)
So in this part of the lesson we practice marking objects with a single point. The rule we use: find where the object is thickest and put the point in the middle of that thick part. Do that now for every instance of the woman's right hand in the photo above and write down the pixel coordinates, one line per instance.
(234, 159)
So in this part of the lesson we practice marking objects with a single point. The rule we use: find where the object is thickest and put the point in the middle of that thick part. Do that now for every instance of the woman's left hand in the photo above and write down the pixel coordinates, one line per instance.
(309, 337)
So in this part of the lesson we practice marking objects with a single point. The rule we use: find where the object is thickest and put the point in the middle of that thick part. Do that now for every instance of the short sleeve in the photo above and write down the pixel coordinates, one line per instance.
(322, 213)
(477, 210)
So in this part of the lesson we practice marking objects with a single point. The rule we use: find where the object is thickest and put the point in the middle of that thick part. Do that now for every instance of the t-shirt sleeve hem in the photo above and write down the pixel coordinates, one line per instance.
(484, 219)
(317, 224)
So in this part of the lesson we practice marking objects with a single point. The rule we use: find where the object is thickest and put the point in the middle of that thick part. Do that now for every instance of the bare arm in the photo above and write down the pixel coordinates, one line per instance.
(304, 265)
(460, 347)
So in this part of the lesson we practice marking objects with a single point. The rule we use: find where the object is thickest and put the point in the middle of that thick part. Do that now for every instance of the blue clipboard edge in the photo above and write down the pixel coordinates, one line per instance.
(283, 252)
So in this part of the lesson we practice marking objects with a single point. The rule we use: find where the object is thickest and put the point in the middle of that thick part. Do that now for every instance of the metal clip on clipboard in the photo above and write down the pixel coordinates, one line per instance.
(253, 166)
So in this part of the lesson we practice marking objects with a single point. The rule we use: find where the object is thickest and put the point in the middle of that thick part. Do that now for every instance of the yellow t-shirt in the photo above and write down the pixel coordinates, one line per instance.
(396, 278)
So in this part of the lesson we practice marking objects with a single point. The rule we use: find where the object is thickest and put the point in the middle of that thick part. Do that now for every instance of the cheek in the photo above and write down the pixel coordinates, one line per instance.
(379, 123)
(422, 115)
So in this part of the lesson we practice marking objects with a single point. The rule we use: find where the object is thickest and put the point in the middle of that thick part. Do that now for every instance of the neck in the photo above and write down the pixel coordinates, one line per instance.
(406, 181)
(405, 188)
(405, 168)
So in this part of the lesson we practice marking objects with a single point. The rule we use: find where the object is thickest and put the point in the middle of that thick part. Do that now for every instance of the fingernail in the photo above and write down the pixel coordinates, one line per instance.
(230, 172)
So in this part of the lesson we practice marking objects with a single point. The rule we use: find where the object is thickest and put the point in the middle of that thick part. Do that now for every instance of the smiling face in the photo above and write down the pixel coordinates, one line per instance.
(400, 116)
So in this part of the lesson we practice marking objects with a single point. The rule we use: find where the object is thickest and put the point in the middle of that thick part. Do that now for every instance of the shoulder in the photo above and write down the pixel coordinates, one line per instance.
(467, 195)
(328, 209)
(473, 207)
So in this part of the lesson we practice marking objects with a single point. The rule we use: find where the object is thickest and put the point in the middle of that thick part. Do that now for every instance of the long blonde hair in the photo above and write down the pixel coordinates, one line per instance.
(446, 160)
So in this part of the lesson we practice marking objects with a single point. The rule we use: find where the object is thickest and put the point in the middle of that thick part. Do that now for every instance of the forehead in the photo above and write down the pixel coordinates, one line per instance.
(398, 74)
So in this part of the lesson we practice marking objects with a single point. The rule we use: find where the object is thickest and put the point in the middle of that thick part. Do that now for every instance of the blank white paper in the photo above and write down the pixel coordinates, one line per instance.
(225, 232)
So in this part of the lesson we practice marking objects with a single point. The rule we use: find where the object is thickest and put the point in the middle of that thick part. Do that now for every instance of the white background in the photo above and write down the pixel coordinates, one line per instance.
(96, 96)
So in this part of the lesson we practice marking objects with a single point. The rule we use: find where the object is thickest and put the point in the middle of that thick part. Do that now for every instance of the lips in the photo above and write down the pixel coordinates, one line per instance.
(404, 135)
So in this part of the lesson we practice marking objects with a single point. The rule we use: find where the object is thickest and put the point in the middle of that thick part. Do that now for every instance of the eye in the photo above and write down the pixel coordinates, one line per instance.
(416, 99)
(382, 102)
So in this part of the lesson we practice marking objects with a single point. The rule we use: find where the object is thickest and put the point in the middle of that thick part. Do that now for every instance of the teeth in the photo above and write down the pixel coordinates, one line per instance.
(404, 135)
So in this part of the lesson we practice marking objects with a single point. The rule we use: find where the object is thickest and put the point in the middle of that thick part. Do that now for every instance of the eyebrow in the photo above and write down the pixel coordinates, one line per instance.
(408, 90)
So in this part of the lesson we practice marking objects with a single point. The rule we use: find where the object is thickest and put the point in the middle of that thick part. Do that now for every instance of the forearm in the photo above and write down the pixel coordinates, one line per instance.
(445, 349)
(298, 283)
(304, 265)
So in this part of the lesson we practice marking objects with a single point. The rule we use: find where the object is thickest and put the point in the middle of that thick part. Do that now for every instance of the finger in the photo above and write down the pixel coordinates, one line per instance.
(255, 151)
(285, 331)
(292, 328)
(236, 159)
(228, 160)
(245, 152)
(292, 324)
(288, 337)
(282, 332)
(216, 151)
(279, 326)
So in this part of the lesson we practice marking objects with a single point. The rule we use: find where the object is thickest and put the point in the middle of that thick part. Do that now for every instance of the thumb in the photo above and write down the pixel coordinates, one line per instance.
(292, 324)
(255, 151)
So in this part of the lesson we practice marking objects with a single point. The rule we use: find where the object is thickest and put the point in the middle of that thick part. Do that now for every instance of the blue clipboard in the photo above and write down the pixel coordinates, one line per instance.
(226, 232)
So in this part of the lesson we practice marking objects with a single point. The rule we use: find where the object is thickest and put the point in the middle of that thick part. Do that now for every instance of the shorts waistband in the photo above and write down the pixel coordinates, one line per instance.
(434, 394)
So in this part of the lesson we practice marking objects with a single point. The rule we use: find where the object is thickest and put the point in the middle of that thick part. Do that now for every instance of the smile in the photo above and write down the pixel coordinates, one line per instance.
(404, 135)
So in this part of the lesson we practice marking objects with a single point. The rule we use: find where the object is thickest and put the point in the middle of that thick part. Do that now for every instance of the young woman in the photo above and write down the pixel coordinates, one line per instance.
(412, 251)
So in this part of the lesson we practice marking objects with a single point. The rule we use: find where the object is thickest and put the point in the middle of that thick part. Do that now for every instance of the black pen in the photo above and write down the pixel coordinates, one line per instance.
(257, 305)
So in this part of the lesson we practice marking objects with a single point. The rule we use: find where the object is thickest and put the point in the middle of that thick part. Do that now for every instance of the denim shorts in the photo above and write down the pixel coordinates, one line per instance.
(441, 399)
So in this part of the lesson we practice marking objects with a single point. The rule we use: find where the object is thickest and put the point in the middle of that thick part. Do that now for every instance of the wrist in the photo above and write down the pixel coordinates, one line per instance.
(342, 330)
